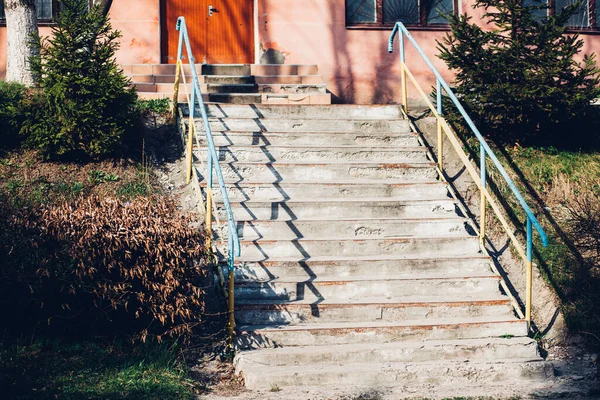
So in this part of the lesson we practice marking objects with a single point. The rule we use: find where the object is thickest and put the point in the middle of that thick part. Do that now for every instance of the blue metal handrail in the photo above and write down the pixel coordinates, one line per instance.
(485, 150)
(233, 240)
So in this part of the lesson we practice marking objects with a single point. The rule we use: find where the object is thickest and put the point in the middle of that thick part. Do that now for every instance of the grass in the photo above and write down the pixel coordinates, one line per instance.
(553, 183)
(86, 370)
(159, 106)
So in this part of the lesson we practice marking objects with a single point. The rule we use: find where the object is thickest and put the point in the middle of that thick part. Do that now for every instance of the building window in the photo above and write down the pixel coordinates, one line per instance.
(583, 19)
(46, 10)
(372, 13)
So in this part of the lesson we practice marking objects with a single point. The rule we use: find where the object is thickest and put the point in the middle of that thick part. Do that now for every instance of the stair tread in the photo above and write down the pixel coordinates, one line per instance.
(359, 239)
(361, 182)
(419, 149)
(290, 350)
(314, 326)
(399, 301)
(375, 278)
(350, 201)
(378, 257)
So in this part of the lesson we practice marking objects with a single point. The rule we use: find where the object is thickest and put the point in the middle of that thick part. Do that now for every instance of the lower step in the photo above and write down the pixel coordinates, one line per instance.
(323, 334)
(297, 312)
(510, 372)
(467, 350)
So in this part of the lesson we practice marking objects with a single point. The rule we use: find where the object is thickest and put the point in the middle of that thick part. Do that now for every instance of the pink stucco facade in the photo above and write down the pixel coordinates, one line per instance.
(354, 63)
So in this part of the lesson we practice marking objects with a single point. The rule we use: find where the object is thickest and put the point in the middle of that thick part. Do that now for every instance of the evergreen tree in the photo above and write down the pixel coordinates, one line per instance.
(520, 79)
(87, 104)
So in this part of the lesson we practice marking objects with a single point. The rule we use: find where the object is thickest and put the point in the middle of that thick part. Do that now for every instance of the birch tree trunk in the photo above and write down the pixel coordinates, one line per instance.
(21, 23)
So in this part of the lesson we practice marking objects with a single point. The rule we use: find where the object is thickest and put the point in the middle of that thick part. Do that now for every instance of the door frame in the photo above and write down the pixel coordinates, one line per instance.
(256, 48)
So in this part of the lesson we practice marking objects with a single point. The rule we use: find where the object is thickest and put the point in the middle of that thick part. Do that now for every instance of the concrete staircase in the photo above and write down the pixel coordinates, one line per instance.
(238, 84)
(357, 267)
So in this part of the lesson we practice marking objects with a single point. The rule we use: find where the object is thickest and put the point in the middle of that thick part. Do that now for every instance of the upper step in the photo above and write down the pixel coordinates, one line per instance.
(310, 125)
(339, 111)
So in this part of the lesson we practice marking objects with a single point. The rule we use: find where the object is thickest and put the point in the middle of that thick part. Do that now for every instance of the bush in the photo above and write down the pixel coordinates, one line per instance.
(520, 79)
(102, 267)
(12, 103)
(86, 107)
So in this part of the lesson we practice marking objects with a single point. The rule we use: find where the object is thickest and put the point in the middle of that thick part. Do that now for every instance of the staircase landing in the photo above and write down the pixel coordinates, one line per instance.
(236, 83)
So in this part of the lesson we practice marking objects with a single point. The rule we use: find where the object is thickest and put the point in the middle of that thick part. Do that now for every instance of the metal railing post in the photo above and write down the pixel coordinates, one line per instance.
(176, 88)
(529, 267)
(403, 74)
(483, 200)
(190, 138)
(439, 125)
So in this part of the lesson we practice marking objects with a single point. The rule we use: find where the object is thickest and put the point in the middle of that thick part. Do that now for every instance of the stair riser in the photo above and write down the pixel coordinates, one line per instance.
(328, 173)
(356, 290)
(392, 268)
(347, 229)
(361, 313)
(408, 354)
(301, 112)
(239, 98)
(353, 210)
(409, 375)
(326, 337)
(229, 88)
(292, 88)
(253, 138)
(282, 191)
(227, 80)
(312, 125)
(267, 154)
(289, 79)
(436, 247)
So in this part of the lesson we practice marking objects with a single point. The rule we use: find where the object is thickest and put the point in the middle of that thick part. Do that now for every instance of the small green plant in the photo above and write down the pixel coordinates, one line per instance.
(159, 106)
(275, 388)
(12, 113)
(97, 176)
(86, 107)
(507, 336)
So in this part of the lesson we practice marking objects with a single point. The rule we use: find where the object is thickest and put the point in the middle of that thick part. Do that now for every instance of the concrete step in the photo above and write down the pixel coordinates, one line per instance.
(289, 79)
(338, 138)
(328, 172)
(312, 125)
(315, 289)
(283, 69)
(466, 350)
(305, 248)
(357, 209)
(292, 88)
(267, 154)
(235, 98)
(283, 312)
(229, 88)
(381, 266)
(454, 375)
(333, 333)
(282, 191)
(227, 80)
(338, 111)
(349, 229)
(226, 69)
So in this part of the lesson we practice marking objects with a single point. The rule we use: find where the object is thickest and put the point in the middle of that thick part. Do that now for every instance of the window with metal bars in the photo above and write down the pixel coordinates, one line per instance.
(46, 10)
(584, 18)
(374, 13)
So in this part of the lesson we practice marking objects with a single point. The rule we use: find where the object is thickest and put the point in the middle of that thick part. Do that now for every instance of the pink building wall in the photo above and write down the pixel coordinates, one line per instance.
(138, 21)
(354, 63)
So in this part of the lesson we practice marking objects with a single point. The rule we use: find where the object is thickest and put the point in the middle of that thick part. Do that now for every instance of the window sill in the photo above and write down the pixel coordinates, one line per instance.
(371, 27)
(584, 31)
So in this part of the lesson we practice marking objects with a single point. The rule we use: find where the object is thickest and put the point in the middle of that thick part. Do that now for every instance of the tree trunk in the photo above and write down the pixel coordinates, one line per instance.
(21, 23)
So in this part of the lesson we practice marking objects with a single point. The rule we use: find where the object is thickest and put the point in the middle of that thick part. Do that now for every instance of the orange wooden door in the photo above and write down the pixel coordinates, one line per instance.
(225, 37)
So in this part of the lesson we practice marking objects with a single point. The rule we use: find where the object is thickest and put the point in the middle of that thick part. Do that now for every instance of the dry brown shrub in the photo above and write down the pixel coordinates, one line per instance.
(584, 218)
(104, 266)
